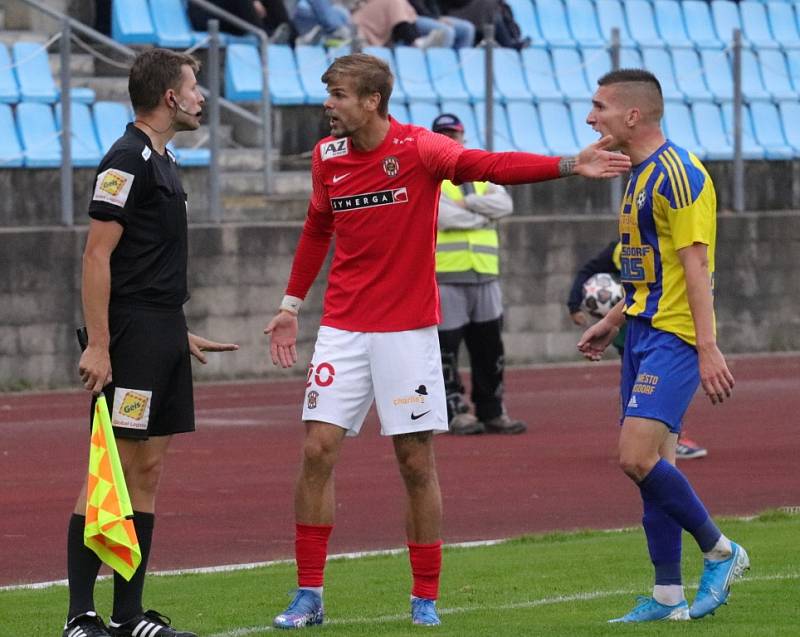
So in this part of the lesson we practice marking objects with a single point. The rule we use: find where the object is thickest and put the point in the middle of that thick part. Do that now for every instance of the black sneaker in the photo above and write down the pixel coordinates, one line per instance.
(149, 624)
(86, 625)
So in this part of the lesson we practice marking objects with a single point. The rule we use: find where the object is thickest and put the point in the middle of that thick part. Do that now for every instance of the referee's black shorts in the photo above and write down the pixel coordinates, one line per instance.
(151, 389)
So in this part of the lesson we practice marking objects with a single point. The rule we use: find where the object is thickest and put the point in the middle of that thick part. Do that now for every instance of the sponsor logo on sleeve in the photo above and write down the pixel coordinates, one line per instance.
(113, 186)
(335, 148)
(131, 408)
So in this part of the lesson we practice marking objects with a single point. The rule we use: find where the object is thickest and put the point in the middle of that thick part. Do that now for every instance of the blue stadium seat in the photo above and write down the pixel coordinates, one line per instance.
(399, 111)
(710, 131)
(84, 147)
(82, 94)
(755, 25)
(751, 149)
(769, 130)
(445, 73)
(630, 58)
(783, 24)
(243, 78)
(38, 134)
(385, 54)
(659, 62)
(423, 113)
(640, 14)
(790, 115)
(523, 119)
(284, 83)
(34, 77)
(171, 24)
(509, 78)
(583, 23)
(699, 25)
(9, 91)
(610, 15)
(466, 114)
(718, 73)
(110, 120)
(311, 64)
(690, 79)
(553, 23)
(192, 157)
(412, 74)
(679, 127)
(669, 20)
(525, 17)
(539, 75)
(571, 79)
(473, 63)
(10, 148)
(726, 18)
(597, 62)
(793, 62)
(131, 22)
(752, 82)
(557, 129)
(584, 134)
(502, 141)
(339, 51)
(775, 74)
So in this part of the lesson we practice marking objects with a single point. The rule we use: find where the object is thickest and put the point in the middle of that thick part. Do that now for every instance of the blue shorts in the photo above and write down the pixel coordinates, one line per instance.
(660, 375)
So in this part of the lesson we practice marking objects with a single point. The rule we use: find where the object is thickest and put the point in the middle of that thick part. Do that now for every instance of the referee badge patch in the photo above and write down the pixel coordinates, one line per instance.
(113, 186)
(131, 408)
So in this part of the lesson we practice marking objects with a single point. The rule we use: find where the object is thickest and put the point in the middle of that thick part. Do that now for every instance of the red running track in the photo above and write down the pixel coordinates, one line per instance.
(226, 496)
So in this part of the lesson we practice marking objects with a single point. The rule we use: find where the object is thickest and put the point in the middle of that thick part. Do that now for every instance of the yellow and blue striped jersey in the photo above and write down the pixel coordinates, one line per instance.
(669, 204)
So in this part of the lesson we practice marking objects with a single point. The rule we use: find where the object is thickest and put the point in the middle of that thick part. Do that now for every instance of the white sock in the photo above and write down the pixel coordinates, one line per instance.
(722, 550)
(669, 595)
(316, 589)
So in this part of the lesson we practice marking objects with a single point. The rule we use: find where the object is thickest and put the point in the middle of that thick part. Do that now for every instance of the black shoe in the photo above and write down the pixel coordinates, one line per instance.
(150, 623)
(86, 625)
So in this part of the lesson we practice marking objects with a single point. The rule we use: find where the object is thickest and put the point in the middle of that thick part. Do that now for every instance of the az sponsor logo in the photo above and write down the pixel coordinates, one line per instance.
(336, 148)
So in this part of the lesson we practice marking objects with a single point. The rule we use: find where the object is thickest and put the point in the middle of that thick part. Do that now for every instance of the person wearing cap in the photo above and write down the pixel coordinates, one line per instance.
(468, 274)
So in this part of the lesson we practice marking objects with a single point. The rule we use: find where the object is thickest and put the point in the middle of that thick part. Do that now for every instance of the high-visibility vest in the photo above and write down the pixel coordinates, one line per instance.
(465, 250)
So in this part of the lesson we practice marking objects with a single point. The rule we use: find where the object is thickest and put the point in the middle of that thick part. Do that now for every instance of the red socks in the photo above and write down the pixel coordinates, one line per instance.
(426, 564)
(311, 550)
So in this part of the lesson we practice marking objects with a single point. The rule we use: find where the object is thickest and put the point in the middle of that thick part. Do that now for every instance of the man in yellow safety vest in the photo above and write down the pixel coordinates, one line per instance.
(468, 271)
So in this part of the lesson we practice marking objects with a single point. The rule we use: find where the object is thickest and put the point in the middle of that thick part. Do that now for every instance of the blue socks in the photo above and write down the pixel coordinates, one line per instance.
(664, 543)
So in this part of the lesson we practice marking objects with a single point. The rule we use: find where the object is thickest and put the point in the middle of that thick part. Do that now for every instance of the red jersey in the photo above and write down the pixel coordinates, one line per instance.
(381, 206)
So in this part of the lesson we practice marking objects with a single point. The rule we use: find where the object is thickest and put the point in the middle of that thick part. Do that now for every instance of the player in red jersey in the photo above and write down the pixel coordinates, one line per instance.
(376, 190)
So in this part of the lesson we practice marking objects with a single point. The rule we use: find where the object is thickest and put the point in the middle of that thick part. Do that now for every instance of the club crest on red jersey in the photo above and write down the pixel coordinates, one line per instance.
(391, 166)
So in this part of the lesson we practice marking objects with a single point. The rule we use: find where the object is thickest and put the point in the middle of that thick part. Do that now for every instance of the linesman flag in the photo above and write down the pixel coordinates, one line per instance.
(109, 529)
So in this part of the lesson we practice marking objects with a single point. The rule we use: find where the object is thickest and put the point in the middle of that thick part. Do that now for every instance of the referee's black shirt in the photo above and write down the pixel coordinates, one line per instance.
(141, 190)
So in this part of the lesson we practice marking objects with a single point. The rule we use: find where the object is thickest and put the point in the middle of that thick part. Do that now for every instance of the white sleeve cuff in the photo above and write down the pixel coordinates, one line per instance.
(291, 304)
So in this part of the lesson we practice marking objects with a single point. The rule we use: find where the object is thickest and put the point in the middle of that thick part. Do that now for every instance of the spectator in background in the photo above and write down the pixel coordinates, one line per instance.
(390, 22)
(482, 12)
(461, 33)
(269, 15)
(320, 21)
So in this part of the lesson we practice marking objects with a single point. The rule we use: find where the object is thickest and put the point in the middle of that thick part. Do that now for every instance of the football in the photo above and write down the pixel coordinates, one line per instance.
(601, 292)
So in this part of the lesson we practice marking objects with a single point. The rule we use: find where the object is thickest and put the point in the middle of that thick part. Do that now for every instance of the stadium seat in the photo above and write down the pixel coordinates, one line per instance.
(502, 140)
(751, 149)
(640, 14)
(9, 91)
(793, 62)
(583, 23)
(385, 54)
(775, 74)
(445, 74)
(34, 77)
(597, 62)
(699, 25)
(571, 79)
(671, 28)
(610, 16)
(659, 62)
(82, 94)
(339, 51)
(509, 78)
(718, 73)
(525, 17)
(790, 115)
(553, 23)
(466, 114)
(768, 131)
(783, 25)
(38, 134)
(690, 79)
(311, 64)
(192, 157)
(539, 75)
(710, 131)
(171, 24)
(399, 111)
(131, 22)
(680, 129)
(752, 82)
(423, 113)
(526, 131)
(110, 121)
(10, 148)
(284, 83)
(725, 14)
(584, 134)
(557, 129)
(630, 58)
(412, 74)
(473, 64)
(755, 25)
(84, 147)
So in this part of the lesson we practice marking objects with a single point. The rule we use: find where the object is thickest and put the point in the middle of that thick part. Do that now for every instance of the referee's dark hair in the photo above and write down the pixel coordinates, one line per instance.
(153, 72)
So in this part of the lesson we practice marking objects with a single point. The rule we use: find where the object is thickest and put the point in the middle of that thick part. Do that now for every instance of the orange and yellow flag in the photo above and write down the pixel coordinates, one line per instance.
(109, 529)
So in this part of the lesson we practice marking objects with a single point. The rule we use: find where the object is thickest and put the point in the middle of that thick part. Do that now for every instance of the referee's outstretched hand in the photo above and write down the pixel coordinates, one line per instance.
(282, 330)
(596, 162)
(198, 345)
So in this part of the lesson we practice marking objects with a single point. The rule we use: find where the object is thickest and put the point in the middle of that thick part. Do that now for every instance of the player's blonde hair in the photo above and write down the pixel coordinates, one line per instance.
(369, 74)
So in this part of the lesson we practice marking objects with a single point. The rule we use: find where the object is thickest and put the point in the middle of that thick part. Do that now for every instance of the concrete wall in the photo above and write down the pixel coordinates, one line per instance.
(238, 273)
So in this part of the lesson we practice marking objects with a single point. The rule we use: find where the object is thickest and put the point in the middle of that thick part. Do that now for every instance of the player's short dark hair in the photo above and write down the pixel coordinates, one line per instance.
(370, 74)
(153, 73)
(651, 100)
(630, 75)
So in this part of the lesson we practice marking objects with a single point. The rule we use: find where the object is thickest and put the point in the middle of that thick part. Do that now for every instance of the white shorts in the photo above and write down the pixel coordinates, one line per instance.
(401, 371)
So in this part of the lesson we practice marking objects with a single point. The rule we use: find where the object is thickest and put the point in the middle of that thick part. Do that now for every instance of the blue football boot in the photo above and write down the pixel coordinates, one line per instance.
(649, 610)
(715, 584)
(305, 610)
(423, 612)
